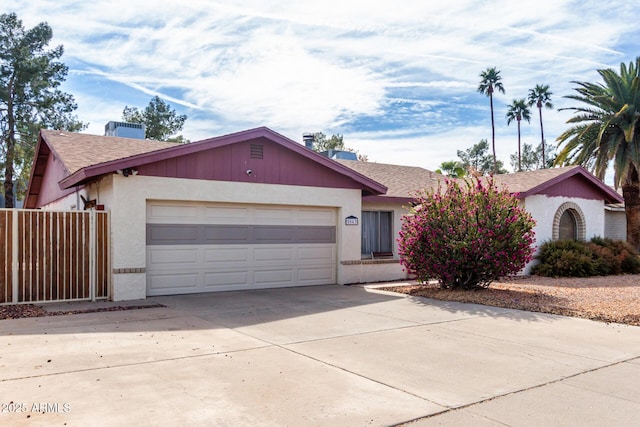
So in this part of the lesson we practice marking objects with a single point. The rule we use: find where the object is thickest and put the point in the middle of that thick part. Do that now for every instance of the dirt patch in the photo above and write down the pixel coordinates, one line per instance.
(30, 310)
(608, 299)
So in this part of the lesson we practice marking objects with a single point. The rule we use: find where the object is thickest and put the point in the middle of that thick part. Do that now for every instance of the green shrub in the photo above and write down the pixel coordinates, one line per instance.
(599, 257)
(466, 235)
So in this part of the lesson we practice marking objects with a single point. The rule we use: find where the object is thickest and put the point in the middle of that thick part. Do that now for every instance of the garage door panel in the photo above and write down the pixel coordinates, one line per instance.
(274, 215)
(226, 214)
(227, 234)
(316, 234)
(227, 247)
(173, 234)
(284, 277)
(264, 234)
(227, 255)
(159, 213)
(226, 278)
(315, 275)
(183, 281)
(163, 256)
(317, 254)
(274, 254)
(317, 216)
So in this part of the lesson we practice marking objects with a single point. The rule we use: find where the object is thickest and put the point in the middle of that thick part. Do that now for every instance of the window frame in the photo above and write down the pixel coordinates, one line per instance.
(379, 246)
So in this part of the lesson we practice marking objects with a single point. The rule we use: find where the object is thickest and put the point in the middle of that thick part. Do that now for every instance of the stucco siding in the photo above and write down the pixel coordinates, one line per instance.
(544, 208)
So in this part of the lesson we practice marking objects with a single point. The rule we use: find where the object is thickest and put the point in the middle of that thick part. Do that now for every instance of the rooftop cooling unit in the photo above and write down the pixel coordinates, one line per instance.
(124, 130)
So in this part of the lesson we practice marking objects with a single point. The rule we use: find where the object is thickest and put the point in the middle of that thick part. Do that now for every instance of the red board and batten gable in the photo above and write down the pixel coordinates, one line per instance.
(271, 158)
(568, 181)
(269, 163)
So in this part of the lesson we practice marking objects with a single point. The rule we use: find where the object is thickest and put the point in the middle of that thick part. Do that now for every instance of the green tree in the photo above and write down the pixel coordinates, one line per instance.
(532, 158)
(490, 81)
(322, 143)
(30, 98)
(452, 168)
(541, 97)
(517, 111)
(606, 129)
(335, 142)
(478, 159)
(160, 121)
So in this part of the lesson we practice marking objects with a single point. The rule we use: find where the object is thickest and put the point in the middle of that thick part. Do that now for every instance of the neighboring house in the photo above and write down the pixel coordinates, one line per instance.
(255, 209)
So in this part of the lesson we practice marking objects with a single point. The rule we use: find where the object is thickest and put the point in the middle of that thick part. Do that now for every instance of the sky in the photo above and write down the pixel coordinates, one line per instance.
(397, 79)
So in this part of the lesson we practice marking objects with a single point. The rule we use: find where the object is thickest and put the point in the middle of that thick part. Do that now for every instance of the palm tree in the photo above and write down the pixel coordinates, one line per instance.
(518, 110)
(490, 80)
(541, 97)
(607, 130)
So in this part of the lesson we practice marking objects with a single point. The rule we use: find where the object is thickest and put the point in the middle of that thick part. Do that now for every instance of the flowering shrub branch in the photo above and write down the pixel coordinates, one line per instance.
(466, 234)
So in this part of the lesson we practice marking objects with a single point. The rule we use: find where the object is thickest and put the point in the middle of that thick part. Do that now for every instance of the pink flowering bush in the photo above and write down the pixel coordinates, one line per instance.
(466, 235)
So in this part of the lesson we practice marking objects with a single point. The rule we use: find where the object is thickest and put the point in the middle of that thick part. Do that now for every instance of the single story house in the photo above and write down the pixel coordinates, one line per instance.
(255, 209)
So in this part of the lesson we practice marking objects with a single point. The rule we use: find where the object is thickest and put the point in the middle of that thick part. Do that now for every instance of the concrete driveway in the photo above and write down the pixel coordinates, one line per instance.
(329, 355)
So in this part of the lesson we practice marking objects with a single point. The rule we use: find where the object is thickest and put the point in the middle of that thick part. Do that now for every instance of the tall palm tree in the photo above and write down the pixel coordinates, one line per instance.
(541, 97)
(607, 130)
(490, 80)
(518, 110)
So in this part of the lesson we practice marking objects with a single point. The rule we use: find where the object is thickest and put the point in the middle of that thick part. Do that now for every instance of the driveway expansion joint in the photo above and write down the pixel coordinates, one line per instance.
(511, 393)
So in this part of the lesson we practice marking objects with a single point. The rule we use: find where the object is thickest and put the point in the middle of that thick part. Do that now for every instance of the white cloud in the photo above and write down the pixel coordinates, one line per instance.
(334, 65)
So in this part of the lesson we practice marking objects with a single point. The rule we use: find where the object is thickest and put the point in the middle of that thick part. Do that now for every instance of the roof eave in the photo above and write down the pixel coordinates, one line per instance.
(388, 199)
(42, 152)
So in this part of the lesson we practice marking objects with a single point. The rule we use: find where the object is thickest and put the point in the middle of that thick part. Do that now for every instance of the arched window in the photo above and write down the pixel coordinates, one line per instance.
(569, 223)
(568, 228)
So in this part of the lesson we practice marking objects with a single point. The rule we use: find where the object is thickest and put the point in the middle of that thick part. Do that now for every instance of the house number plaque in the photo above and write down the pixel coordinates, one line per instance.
(351, 220)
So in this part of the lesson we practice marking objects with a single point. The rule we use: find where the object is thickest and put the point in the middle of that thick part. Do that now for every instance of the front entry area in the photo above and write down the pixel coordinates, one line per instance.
(205, 247)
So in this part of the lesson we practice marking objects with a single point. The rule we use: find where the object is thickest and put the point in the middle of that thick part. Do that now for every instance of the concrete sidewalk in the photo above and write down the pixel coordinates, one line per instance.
(328, 355)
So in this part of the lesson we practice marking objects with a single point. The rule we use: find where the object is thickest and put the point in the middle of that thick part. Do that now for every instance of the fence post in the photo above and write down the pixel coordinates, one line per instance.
(14, 255)
(92, 255)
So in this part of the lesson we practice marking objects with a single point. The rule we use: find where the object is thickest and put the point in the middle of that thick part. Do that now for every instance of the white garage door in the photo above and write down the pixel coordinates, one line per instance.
(202, 247)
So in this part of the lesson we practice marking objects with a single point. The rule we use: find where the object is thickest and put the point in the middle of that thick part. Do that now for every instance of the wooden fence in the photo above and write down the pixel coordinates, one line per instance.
(48, 256)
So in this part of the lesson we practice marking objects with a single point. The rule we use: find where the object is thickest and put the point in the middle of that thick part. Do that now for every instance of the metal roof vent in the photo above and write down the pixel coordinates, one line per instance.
(125, 130)
(308, 138)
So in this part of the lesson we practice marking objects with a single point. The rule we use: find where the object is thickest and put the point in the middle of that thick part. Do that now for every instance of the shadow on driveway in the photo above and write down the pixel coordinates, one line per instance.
(237, 309)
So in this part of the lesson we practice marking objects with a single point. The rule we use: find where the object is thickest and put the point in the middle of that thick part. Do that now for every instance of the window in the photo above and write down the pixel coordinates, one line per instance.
(569, 223)
(376, 232)
(568, 229)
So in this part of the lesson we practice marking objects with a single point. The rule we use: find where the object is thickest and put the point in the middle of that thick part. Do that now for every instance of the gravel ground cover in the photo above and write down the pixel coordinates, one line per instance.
(32, 310)
(608, 299)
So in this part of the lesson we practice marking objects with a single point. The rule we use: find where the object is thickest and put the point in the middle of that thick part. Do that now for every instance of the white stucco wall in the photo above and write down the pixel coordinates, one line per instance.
(128, 217)
(544, 208)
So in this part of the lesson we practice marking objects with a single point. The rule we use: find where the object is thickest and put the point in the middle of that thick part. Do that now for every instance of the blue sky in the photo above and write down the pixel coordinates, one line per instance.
(397, 79)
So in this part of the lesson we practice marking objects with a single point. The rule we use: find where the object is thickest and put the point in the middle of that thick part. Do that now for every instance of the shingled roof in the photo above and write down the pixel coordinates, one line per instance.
(79, 150)
(403, 181)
